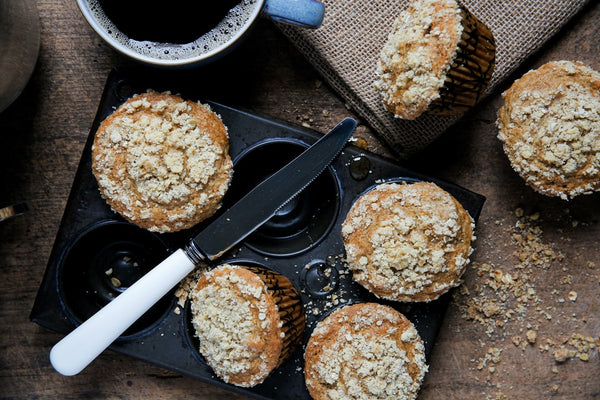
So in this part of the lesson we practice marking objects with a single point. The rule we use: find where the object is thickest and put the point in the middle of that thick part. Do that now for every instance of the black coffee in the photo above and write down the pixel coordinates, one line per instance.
(175, 21)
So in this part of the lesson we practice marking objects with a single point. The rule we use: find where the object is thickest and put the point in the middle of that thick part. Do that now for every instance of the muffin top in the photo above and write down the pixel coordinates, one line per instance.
(238, 325)
(407, 242)
(162, 162)
(418, 53)
(549, 125)
(364, 351)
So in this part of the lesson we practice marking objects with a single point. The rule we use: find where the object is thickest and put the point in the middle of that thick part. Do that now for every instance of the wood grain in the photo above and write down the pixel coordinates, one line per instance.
(43, 133)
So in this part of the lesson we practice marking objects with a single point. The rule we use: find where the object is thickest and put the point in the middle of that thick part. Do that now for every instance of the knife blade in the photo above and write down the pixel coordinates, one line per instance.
(262, 202)
(80, 347)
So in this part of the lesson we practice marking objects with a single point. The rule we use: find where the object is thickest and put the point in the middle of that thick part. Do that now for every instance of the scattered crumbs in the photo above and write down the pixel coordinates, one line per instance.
(504, 294)
(505, 301)
(185, 287)
(492, 356)
(562, 354)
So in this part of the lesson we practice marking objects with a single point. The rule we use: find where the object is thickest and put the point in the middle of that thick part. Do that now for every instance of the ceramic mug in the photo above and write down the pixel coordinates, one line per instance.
(188, 32)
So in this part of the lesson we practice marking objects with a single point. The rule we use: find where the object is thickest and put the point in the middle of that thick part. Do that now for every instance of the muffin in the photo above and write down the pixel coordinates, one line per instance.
(364, 351)
(407, 242)
(438, 59)
(549, 126)
(162, 162)
(248, 320)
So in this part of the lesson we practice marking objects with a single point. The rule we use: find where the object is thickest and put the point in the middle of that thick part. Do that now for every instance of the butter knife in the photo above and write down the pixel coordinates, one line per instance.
(87, 341)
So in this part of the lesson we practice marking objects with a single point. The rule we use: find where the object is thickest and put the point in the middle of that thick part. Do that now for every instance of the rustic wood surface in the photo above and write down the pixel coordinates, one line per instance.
(496, 343)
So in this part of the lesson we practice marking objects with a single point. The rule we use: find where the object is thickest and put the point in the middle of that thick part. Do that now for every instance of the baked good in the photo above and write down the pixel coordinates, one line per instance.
(438, 59)
(549, 126)
(407, 242)
(162, 162)
(364, 351)
(248, 319)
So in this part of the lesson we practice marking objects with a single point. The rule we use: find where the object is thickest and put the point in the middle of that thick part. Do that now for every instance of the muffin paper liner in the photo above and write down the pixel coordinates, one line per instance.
(289, 306)
(471, 69)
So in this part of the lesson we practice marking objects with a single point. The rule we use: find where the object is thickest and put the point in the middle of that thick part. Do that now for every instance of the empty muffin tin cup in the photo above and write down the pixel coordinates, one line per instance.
(102, 262)
(301, 223)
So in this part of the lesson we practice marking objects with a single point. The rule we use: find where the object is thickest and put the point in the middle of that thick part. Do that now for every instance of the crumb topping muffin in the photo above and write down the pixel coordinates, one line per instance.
(438, 58)
(162, 162)
(549, 126)
(364, 351)
(247, 321)
(407, 242)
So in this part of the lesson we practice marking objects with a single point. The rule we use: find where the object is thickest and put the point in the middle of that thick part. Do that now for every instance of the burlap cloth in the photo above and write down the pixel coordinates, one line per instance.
(345, 50)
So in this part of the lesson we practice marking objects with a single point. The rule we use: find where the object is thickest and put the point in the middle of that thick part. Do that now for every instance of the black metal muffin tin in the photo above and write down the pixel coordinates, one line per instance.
(97, 254)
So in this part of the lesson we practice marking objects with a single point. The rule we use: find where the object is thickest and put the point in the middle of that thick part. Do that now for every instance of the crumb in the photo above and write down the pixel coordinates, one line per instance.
(491, 356)
(187, 284)
(562, 354)
(504, 299)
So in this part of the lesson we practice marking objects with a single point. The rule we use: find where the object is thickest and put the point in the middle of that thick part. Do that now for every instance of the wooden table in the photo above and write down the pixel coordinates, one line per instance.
(494, 344)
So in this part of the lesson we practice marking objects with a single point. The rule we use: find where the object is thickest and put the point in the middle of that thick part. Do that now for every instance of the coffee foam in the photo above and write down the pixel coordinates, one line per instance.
(234, 23)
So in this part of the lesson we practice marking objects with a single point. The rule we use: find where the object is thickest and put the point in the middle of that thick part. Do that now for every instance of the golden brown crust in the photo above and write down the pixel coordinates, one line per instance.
(438, 58)
(549, 125)
(162, 162)
(238, 325)
(364, 351)
(407, 242)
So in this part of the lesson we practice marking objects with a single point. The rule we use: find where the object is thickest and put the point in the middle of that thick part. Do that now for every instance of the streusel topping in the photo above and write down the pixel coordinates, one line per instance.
(407, 242)
(365, 351)
(162, 162)
(238, 325)
(550, 128)
(418, 53)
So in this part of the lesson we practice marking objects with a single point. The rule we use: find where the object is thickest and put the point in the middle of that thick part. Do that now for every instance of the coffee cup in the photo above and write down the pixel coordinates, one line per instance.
(188, 32)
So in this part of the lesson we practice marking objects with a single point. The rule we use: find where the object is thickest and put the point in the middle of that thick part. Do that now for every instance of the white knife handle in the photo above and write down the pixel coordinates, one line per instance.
(80, 347)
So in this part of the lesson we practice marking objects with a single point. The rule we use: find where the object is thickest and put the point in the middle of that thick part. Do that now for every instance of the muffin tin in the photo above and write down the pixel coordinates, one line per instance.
(97, 255)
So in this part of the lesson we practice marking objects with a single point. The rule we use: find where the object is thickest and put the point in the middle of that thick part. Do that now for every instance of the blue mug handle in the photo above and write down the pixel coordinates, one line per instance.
(306, 13)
